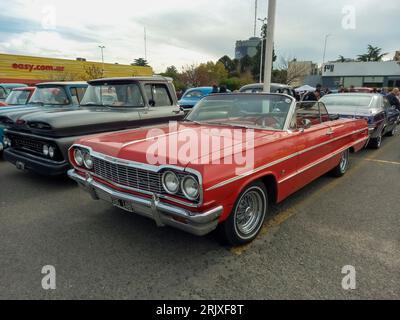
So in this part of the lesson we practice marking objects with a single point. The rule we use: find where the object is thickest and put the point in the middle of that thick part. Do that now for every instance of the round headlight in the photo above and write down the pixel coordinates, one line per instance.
(7, 142)
(52, 152)
(170, 182)
(78, 157)
(190, 188)
(87, 160)
(46, 150)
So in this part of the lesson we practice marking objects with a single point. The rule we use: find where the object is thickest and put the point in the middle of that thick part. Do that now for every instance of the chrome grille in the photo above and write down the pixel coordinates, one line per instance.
(27, 144)
(123, 175)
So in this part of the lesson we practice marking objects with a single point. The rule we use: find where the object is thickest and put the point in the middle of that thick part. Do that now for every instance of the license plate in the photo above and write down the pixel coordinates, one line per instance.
(122, 204)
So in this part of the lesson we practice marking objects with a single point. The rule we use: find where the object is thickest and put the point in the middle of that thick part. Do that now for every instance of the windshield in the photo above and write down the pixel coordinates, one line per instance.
(50, 96)
(113, 95)
(18, 97)
(259, 111)
(196, 94)
(3, 93)
(338, 104)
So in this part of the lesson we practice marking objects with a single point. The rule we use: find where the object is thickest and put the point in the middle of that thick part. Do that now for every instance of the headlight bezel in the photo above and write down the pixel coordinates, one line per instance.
(184, 191)
(77, 161)
(88, 163)
(165, 185)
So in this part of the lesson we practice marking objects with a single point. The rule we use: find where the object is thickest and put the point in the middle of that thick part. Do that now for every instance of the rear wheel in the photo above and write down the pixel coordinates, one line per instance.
(247, 217)
(376, 143)
(342, 167)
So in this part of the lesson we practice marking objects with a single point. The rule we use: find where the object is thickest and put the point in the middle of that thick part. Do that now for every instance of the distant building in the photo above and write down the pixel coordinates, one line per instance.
(361, 74)
(246, 47)
(32, 70)
(298, 71)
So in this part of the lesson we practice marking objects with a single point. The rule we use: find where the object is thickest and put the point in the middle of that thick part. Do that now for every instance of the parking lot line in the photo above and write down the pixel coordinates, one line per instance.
(382, 161)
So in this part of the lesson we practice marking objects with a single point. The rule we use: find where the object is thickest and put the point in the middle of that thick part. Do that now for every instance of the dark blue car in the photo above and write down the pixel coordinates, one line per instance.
(382, 117)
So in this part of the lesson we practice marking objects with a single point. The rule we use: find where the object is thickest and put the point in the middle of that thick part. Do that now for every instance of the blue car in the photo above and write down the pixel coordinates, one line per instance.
(194, 95)
(51, 96)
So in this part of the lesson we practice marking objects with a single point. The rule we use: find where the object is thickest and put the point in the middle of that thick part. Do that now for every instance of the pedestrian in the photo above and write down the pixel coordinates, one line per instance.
(318, 92)
(393, 98)
(215, 88)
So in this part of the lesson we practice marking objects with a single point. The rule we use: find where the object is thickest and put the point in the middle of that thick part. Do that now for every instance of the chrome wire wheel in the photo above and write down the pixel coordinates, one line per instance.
(250, 213)
(344, 162)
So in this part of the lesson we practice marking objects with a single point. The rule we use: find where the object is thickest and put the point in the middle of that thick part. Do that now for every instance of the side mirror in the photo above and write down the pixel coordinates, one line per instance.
(152, 103)
(307, 123)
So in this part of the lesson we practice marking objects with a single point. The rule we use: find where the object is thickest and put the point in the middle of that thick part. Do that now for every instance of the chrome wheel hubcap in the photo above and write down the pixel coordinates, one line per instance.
(249, 213)
(344, 162)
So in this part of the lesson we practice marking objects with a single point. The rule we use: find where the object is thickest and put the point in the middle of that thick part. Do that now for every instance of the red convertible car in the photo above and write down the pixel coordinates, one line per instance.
(222, 166)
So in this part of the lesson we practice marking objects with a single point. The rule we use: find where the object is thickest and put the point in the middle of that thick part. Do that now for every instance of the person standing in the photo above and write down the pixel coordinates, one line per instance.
(393, 98)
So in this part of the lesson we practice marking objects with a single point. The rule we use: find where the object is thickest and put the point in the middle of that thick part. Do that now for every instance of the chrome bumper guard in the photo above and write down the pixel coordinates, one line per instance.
(196, 223)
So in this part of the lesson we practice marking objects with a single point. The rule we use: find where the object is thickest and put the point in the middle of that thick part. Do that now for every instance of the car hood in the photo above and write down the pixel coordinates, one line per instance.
(178, 144)
(80, 122)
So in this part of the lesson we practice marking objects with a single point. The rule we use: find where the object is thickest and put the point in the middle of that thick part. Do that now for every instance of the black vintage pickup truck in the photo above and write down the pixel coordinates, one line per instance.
(40, 141)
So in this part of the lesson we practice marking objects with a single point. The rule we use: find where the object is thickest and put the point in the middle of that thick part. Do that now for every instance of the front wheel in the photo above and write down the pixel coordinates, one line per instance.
(342, 167)
(247, 217)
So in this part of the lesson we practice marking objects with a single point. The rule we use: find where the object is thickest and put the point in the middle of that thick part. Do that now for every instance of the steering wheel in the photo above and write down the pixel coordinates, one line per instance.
(268, 121)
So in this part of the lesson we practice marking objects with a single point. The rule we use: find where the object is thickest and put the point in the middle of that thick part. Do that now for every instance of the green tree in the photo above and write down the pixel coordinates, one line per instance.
(373, 54)
(140, 62)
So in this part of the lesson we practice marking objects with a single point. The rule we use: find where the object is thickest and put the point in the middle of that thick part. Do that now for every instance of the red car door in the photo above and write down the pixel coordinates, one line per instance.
(315, 144)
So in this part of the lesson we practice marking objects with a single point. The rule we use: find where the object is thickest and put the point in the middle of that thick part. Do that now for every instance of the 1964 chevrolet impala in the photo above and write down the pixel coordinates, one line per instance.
(222, 166)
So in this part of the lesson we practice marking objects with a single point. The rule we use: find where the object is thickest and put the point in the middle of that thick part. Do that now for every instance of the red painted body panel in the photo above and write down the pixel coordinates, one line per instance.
(292, 159)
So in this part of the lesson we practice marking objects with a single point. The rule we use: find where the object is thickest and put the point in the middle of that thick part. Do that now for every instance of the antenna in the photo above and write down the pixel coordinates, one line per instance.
(255, 17)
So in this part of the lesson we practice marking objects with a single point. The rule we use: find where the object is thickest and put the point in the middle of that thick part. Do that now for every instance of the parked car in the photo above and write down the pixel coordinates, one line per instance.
(272, 147)
(51, 96)
(5, 89)
(381, 116)
(275, 88)
(18, 97)
(192, 96)
(40, 141)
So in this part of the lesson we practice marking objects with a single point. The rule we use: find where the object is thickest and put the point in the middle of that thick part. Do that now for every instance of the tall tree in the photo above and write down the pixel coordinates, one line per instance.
(373, 54)
(140, 62)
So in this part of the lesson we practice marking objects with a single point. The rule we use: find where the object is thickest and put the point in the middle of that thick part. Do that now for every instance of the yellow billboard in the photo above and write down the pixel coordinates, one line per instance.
(31, 70)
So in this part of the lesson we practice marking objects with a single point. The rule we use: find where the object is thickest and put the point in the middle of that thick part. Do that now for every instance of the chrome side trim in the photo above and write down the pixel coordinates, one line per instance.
(271, 164)
(326, 158)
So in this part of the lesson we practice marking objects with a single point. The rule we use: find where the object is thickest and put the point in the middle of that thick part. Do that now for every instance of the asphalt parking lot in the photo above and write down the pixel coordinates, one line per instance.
(99, 252)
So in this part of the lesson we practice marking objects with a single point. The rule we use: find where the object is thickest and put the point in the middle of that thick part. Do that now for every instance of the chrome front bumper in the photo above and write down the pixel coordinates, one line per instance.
(163, 214)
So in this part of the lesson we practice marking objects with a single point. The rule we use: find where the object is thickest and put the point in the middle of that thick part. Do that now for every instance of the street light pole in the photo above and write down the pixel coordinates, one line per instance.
(262, 48)
(269, 45)
(102, 59)
(326, 44)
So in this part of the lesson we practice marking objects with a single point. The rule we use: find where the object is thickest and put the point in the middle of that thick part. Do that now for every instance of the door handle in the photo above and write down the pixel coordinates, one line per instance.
(330, 132)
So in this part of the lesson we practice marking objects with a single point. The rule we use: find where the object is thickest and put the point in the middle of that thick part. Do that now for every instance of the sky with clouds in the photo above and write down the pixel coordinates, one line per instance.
(182, 32)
